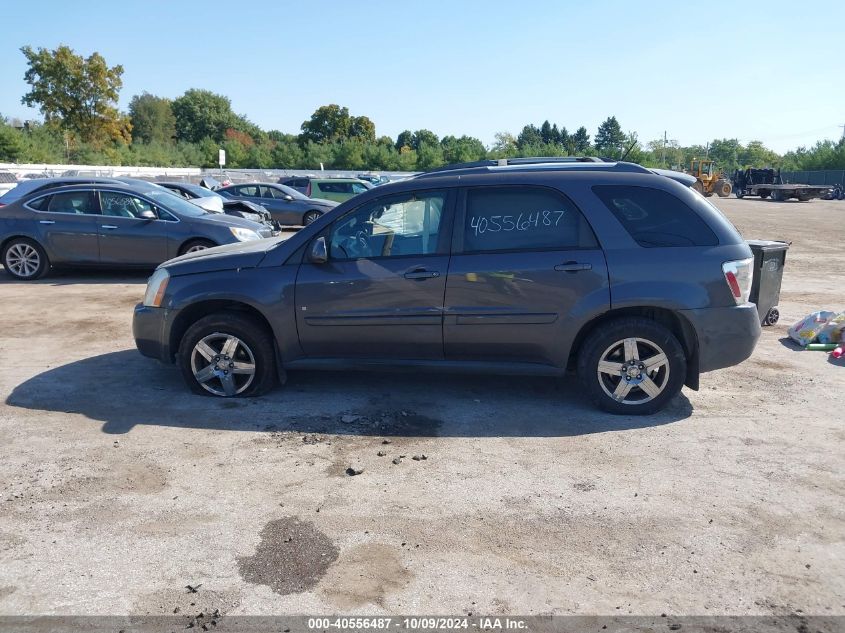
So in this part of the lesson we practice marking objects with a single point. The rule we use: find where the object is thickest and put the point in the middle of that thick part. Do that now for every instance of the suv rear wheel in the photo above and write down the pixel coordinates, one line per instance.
(632, 366)
(228, 355)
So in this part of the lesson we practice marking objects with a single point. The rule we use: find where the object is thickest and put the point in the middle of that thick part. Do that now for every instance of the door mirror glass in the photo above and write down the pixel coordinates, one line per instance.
(319, 253)
(146, 214)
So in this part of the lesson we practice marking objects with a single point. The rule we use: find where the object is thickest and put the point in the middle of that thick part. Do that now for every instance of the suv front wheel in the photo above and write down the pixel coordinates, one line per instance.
(632, 366)
(228, 355)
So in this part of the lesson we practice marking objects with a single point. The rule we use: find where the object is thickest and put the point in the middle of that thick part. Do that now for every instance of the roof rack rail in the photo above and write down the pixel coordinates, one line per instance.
(552, 161)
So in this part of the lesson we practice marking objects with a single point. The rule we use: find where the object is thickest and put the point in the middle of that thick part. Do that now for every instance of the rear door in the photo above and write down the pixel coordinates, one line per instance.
(67, 226)
(380, 295)
(525, 268)
(284, 211)
(126, 237)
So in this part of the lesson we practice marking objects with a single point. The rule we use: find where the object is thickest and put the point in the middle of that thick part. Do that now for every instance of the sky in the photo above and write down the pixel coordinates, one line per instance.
(772, 71)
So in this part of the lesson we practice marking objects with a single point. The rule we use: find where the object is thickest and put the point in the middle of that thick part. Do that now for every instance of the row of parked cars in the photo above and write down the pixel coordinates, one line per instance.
(91, 221)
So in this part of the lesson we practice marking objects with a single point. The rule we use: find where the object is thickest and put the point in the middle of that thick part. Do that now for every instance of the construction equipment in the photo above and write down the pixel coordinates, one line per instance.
(707, 180)
(768, 182)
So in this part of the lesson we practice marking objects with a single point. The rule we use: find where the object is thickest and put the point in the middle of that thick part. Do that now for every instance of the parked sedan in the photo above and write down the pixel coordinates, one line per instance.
(199, 195)
(110, 225)
(286, 205)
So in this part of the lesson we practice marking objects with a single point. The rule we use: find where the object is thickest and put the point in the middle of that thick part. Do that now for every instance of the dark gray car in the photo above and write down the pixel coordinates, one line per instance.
(110, 225)
(628, 276)
(286, 205)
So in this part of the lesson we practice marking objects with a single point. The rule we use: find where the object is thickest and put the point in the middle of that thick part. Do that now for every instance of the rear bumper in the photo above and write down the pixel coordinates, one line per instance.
(726, 336)
(148, 328)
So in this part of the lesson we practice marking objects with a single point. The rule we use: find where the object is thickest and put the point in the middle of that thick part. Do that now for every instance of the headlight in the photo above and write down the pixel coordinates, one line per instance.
(156, 287)
(244, 235)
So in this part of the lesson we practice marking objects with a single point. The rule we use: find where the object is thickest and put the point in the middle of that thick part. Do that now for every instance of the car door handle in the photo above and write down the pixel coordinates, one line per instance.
(108, 226)
(46, 221)
(573, 267)
(421, 274)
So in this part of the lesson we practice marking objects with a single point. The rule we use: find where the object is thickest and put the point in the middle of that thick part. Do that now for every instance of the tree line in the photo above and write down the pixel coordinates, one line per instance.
(82, 124)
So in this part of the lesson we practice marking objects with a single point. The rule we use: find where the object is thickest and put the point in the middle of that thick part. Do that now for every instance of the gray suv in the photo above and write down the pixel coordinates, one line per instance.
(514, 267)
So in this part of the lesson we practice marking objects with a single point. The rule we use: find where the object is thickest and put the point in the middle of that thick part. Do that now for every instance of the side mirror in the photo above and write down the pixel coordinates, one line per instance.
(148, 215)
(288, 197)
(319, 253)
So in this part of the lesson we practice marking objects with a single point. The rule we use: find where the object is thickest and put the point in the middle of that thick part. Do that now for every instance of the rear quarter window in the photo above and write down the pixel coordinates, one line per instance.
(655, 218)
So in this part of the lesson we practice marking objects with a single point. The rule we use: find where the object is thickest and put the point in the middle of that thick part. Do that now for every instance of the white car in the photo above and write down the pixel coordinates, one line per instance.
(8, 181)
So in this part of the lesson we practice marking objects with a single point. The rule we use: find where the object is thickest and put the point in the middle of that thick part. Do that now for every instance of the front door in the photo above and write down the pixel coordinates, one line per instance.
(126, 237)
(380, 295)
(67, 226)
(526, 265)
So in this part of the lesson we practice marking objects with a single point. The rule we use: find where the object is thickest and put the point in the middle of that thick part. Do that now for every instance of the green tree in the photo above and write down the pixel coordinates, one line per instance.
(610, 139)
(202, 114)
(405, 139)
(328, 123)
(546, 133)
(530, 135)
(11, 143)
(505, 145)
(76, 94)
(580, 141)
(152, 119)
(362, 128)
(462, 150)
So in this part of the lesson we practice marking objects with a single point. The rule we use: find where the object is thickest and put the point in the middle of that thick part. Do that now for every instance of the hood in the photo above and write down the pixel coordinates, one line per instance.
(230, 220)
(227, 257)
(209, 203)
(322, 202)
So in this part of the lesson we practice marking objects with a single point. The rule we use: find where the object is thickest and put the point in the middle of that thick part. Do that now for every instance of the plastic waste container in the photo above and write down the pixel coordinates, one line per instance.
(769, 259)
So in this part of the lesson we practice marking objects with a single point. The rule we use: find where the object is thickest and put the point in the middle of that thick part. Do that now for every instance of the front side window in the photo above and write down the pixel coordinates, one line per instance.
(654, 217)
(409, 225)
(523, 218)
(122, 205)
(249, 190)
(78, 202)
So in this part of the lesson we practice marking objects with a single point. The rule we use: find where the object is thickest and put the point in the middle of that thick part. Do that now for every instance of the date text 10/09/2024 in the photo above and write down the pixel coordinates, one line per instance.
(417, 623)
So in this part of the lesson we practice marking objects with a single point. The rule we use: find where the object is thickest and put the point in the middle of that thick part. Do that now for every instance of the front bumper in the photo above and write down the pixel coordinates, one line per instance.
(726, 336)
(148, 328)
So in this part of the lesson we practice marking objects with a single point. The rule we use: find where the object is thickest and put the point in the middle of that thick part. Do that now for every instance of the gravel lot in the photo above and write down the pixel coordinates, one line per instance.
(118, 488)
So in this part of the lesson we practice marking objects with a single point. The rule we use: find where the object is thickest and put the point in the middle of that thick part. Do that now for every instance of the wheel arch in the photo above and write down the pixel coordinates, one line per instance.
(196, 311)
(674, 322)
(185, 242)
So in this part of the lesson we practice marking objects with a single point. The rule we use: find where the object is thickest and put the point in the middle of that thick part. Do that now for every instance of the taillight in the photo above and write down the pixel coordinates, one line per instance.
(738, 275)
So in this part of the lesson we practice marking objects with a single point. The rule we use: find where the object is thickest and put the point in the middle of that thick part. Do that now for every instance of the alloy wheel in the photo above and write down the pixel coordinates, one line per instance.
(23, 260)
(223, 364)
(633, 371)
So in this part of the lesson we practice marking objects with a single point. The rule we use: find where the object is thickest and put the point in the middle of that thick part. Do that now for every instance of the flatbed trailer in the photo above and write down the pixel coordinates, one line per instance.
(779, 193)
(768, 183)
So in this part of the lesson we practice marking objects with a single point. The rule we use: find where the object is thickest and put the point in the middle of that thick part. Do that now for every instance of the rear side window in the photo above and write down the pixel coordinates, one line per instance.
(335, 187)
(39, 204)
(655, 218)
(523, 218)
(78, 202)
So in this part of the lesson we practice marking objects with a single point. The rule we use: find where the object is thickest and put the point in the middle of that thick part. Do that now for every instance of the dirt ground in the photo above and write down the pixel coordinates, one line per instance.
(119, 489)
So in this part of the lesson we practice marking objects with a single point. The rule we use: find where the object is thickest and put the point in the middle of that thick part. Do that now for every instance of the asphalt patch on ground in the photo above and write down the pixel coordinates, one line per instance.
(291, 557)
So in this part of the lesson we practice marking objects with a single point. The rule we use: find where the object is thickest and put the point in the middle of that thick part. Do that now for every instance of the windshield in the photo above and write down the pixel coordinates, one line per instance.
(291, 192)
(201, 192)
(174, 203)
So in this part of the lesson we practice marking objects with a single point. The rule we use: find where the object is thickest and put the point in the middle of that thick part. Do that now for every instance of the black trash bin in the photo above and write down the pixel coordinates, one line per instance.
(769, 259)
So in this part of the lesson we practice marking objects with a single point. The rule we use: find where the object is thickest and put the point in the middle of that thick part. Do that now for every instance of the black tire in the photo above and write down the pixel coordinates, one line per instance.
(763, 194)
(192, 246)
(772, 317)
(24, 259)
(603, 344)
(254, 347)
(309, 216)
(738, 193)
